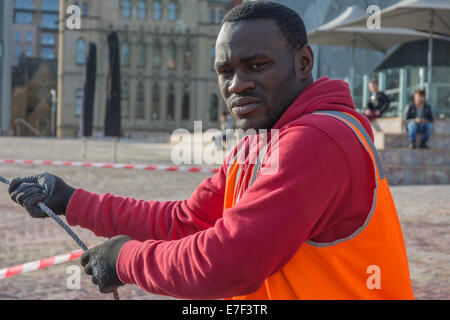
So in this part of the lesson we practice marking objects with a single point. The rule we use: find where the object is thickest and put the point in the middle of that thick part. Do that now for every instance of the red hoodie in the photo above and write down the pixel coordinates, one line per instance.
(193, 249)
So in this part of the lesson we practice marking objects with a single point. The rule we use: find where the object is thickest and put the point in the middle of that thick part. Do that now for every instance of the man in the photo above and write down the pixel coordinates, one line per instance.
(310, 218)
(378, 103)
(226, 126)
(419, 119)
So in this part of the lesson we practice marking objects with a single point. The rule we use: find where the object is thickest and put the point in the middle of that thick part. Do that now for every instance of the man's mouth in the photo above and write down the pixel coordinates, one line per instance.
(244, 106)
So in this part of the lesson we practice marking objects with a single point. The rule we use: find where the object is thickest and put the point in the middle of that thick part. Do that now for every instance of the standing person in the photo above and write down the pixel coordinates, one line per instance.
(226, 126)
(311, 218)
(378, 103)
(419, 119)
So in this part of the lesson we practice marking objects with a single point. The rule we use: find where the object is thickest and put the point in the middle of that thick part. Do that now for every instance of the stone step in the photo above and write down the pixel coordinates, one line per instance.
(390, 140)
(396, 126)
(414, 175)
(405, 156)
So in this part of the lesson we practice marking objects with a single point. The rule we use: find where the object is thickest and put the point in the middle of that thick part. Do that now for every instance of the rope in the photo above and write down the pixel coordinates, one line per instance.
(69, 231)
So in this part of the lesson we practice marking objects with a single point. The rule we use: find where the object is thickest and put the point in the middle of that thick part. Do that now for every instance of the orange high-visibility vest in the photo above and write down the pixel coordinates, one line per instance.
(369, 264)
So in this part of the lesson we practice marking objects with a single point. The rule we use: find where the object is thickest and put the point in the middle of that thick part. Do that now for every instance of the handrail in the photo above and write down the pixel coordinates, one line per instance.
(28, 125)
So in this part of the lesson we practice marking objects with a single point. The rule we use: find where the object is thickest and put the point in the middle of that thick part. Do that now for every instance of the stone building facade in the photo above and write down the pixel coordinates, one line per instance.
(167, 50)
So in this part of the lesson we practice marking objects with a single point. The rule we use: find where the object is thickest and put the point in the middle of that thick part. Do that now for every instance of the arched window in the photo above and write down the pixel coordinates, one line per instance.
(171, 103)
(125, 99)
(141, 55)
(187, 56)
(157, 10)
(171, 61)
(142, 9)
(156, 55)
(186, 108)
(212, 16)
(221, 16)
(172, 11)
(81, 51)
(214, 108)
(213, 56)
(155, 102)
(79, 95)
(126, 9)
(140, 101)
(125, 54)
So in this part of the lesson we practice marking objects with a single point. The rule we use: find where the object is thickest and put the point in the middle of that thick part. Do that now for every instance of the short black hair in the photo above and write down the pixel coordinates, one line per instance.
(290, 23)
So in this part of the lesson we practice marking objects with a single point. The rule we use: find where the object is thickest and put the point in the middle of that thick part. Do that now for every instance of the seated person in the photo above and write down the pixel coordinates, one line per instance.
(419, 119)
(378, 103)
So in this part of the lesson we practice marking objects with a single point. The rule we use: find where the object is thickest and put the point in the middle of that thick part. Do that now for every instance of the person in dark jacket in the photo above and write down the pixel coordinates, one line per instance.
(419, 119)
(378, 103)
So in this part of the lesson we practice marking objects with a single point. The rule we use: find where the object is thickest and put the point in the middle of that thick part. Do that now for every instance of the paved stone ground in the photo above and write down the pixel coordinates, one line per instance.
(424, 213)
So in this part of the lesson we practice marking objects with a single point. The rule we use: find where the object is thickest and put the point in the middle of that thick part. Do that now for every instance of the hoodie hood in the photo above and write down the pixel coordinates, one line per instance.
(323, 94)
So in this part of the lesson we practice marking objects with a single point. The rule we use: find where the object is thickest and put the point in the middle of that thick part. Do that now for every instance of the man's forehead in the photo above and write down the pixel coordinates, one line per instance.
(248, 36)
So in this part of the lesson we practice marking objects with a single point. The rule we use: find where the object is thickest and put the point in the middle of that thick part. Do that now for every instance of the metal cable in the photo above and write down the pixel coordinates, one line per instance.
(69, 231)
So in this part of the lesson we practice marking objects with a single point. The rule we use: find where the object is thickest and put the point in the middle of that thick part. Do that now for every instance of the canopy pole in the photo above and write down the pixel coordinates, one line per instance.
(352, 71)
(430, 55)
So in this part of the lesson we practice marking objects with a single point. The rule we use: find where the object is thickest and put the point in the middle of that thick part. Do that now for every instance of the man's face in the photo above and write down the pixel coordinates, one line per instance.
(257, 73)
(419, 99)
(373, 87)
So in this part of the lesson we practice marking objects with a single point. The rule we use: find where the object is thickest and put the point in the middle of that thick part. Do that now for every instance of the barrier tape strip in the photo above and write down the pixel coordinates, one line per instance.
(39, 264)
(112, 166)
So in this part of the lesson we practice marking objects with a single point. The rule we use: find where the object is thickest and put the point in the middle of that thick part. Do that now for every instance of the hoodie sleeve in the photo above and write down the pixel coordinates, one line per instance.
(108, 215)
(257, 237)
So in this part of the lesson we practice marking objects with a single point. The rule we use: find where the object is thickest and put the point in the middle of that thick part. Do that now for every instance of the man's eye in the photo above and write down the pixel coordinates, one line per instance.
(256, 66)
(224, 72)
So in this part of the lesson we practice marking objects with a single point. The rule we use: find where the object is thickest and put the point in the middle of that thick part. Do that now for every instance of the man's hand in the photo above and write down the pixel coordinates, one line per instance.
(45, 188)
(418, 120)
(100, 263)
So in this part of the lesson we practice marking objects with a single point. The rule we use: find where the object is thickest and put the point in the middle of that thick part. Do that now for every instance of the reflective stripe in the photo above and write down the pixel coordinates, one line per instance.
(377, 168)
(238, 177)
(358, 125)
(258, 164)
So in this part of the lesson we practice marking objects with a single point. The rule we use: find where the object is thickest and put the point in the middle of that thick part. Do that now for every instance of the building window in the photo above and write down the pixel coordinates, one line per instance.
(48, 39)
(28, 51)
(18, 36)
(23, 4)
(155, 102)
(212, 16)
(18, 51)
(140, 102)
(50, 21)
(187, 56)
(79, 102)
(213, 56)
(50, 5)
(156, 55)
(47, 53)
(28, 37)
(214, 108)
(157, 10)
(125, 54)
(186, 107)
(81, 52)
(141, 55)
(172, 11)
(125, 100)
(171, 61)
(221, 16)
(142, 9)
(23, 17)
(126, 9)
(85, 9)
(171, 103)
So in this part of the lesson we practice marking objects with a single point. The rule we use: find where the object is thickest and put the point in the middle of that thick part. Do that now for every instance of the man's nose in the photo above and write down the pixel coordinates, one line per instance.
(240, 83)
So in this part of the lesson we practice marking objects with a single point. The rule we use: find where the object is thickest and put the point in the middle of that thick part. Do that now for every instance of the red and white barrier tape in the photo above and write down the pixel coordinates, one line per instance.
(112, 166)
(39, 264)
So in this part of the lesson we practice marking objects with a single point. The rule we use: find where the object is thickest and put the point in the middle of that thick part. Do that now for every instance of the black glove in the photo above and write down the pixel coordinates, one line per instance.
(100, 263)
(45, 188)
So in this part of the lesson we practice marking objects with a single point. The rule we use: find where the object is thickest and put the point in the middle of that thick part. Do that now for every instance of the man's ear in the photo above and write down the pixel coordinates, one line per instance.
(306, 62)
